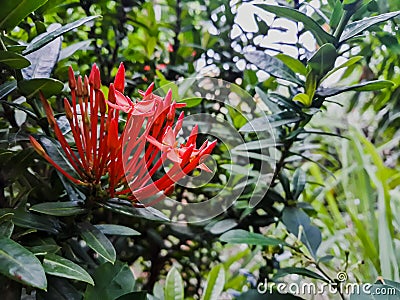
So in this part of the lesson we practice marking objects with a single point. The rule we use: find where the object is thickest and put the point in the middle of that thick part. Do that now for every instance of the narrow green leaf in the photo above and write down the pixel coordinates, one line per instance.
(21, 265)
(294, 64)
(97, 241)
(355, 28)
(215, 283)
(240, 236)
(7, 88)
(300, 271)
(47, 37)
(48, 86)
(29, 220)
(337, 14)
(13, 12)
(303, 98)
(323, 59)
(351, 61)
(60, 209)
(309, 24)
(222, 226)
(58, 266)
(299, 182)
(13, 60)
(6, 228)
(173, 289)
(112, 229)
(361, 87)
(254, 145)
(272, 66)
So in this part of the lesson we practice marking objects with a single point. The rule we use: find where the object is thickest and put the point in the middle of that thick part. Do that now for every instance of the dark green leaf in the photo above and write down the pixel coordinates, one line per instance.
(44, 249)
(173, 289)
(240, 236)
(111, 282)
(272, 66)
(361, 87)
(375, 292)
(142, 295)
(299, 182)
(46, 37)
(12, 12)
(13, 60)
(215, 283)
(97, 241)
(126, 208)
(20, 265)
(61, 209)
(112, 229)
(29, 220)
(44, 59)
(300, 271)
(58, 266)
(48, 86)
(293, 218)
(323, 60)
(355, 28)
(388, 282)
(309, 24)
(326, 258)
(337, 14)
(7, 88)
(223, 225)
(60, 289)
(6, 228)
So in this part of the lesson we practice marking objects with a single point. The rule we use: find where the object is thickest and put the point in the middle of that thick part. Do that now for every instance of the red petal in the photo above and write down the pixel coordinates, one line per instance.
(111, 93)
(71, 78)
(112, 138)
(119, 81)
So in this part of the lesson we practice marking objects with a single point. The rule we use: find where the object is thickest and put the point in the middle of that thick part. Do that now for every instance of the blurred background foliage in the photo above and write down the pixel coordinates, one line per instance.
(339, 166)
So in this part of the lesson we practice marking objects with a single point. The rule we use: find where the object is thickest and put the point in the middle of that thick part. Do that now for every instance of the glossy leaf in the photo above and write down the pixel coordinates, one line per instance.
(355, 28)
(112, 229)
(361, 87)
(13, 60)
(13, 12)
(309, 24)
(60, 289)
(299, 182)
(7, 87)
(351, 61)
(292, 63)
(97, 241)
(323, 59)
(29, 220)
(44, 59)
(303, 98)
(276, 120)
(61, 209)
(6, 228)
(173, 289)
(376, 292)
(293, 218)
(215, 283)
(240, 236)
(17, 263)
(48, 86)
(58, 266)
(111, 282)
(300, 271)
(271, 65)
(47, 37)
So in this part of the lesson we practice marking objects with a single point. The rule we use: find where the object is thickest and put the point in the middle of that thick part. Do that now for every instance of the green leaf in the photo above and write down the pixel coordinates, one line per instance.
(142, 295)
(375, 292)
(336, 14)
(7, 88)
(353, 60)
(21, 265)
(60, 289)
(173, 289)
(294, 64)
(215, 283)
(300, 271)
(293, 218)
(374, 85)
(272, 66)
(97, 241)
(47, 37)
(190, 102)
(29, 220)
(222, 226)
(60, 209)
(240, 236)
(303, 98)
(13, 60)
(13, 12)
(58, 266)
(299, 182)
(112, 229)
(48, 86)
(323, 60)
(309, 24)
(6, 228)
(355, 28)
(111, 282)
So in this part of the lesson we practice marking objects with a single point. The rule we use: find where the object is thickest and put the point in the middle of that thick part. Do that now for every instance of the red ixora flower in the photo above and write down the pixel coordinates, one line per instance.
(123, 164)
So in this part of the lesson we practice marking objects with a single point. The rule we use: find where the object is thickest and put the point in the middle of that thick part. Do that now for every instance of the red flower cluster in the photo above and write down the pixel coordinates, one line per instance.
(123, 163)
